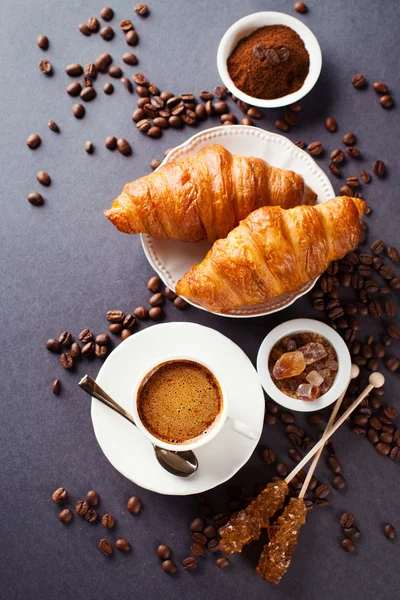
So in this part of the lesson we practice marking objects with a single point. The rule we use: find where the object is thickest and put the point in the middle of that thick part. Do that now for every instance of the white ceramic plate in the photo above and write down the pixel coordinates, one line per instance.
(248, 25)
(171, 259)
(131, 453)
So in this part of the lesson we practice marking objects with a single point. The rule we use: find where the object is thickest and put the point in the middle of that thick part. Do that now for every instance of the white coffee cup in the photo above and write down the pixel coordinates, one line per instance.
(219, 422)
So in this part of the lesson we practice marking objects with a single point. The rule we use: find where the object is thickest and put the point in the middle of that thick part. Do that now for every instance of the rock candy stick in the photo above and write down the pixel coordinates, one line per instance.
(246, 525)
(277, 554)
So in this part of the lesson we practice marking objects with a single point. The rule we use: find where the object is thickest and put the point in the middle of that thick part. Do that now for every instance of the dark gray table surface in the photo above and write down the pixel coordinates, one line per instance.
(63, 266)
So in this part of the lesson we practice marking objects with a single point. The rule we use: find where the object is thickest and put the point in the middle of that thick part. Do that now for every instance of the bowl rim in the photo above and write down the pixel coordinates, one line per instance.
(277, 18)
(296, 326)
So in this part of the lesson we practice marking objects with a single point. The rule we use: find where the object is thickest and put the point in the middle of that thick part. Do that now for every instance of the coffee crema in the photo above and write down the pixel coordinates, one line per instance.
(178, 401)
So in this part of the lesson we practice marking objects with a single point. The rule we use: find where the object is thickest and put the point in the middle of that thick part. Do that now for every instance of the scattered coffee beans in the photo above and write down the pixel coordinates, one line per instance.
(122, 545)
(65, 516)
(134, 505)
(169, 567)
(105, 547)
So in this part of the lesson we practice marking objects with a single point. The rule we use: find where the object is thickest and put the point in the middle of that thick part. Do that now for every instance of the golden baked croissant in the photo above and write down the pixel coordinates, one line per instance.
(205, 196)
(271, 252)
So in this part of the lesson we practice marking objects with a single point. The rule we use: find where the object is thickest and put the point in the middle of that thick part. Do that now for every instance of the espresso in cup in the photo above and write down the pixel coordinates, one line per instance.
(178, 401)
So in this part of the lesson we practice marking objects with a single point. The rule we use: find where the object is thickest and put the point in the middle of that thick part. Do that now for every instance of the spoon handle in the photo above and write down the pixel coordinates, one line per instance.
(91, 387)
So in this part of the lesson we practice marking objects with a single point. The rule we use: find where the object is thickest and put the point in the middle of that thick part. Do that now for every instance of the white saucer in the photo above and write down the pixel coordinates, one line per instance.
(126, 448)
(171, 259)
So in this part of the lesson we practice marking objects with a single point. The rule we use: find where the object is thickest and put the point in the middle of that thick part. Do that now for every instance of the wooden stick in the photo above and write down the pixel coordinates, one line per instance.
(376, 380)
(355, 371)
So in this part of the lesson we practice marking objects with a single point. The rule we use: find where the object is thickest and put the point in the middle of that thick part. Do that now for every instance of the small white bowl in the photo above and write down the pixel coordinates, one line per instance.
(248, 25)
(291, 328)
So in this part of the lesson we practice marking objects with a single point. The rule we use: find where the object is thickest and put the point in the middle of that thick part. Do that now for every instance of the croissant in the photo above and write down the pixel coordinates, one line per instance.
(271, 252)
(205, 196)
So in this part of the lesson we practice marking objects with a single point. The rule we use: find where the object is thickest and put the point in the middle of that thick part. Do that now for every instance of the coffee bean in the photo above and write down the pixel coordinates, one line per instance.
(107, 33)
(92, 498)
(78, 110)
(141, 312)
(199, 538)
(391, 412)
(87, 94)
(334, 169)
(81, 507)
(189, 563)
(129, 322)
(105, 547)
(358, 80)
(91, 515)
(389, 532)
(65, 516)
(339, 482)
(330, 124)
(315, 148)
(222, 562)
(281, 125)
(269, 419)
(143, 125)
(395, 454)
(386, 437)
(348, 545)
(107, 13)
(180, 303)
(33, 141)
(197, 549)
(394, 331)
(300, 7)
(131, 38)
(102, 62)
(321, 502)
(111, 142)
(349, 138)
(85, 336)
(380, 87)
(74, 70)
(375, 309)
(108, 521)
(126, 25)
(124, 147)
(373, 436)
(352, 533)
(281, 469)
(382, 448)
(66, 360)
(88, 349)
(395, 283)
(122, 545)
(53, 345)
(89, 148)
(197, 525)
(269, 456)
(379, 168)
(45, 67)
(213, 546)
(337, 156)
(353, 151)
(125, 333)
(386, 101)
(392, 364)
(142, 9)
(138, 115)
(322, 491)
(43, 178)
(56, 386)
(163, 551)
(134, 505)
(347, 520)
(59, 495)
(42, 41)
(353, 182)
(74, 88)
(154, 132)
(83, 28)
(154, 284)
(93, 24)
(156, 300)
(334, 464)
(377, 247)
(169, 567)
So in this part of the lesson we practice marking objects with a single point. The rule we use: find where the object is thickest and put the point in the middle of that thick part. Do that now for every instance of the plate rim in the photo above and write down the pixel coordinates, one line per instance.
(222, 131)
(255, 442)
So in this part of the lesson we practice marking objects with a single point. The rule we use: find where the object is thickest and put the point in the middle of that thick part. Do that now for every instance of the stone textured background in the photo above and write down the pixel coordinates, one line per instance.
(63, 266)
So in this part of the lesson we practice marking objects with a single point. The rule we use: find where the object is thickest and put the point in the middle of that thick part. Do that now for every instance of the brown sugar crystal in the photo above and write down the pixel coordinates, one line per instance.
(270, 63)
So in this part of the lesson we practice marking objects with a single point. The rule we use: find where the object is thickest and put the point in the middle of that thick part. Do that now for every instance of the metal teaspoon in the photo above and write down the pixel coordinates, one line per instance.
(181, 464)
